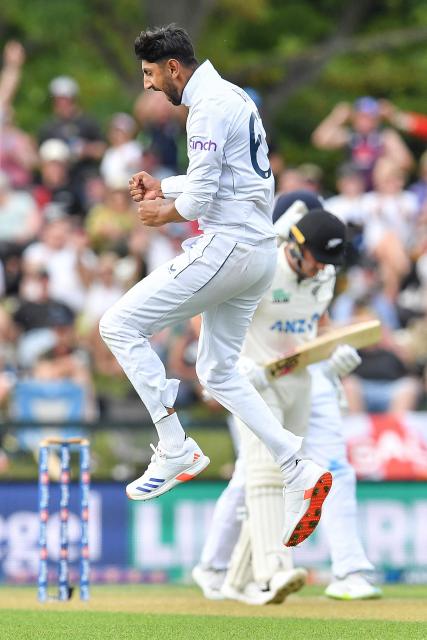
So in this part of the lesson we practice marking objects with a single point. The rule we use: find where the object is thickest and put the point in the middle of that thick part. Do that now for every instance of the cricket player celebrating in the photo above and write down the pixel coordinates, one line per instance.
(222, 274)
(261, 571)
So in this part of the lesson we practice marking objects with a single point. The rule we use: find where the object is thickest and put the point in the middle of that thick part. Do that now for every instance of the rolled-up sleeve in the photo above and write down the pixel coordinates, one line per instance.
(207, 130)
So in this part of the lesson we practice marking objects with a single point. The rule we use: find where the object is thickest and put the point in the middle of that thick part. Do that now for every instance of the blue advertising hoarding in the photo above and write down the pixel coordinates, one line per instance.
(160, 540)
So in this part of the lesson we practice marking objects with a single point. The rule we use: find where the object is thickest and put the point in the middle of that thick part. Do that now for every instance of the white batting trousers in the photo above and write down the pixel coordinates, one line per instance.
(223, 280)
(325, 444)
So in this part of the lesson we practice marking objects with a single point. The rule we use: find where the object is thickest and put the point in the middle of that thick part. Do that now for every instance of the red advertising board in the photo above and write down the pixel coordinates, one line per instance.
(388, 447)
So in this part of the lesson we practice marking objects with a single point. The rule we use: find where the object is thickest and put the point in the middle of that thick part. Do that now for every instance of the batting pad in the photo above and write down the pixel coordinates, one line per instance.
(265, 505)
(240, 570)
(265, 518)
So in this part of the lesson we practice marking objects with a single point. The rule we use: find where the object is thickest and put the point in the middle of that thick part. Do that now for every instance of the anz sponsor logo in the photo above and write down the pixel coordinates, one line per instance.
(198, 143)
(300, 325)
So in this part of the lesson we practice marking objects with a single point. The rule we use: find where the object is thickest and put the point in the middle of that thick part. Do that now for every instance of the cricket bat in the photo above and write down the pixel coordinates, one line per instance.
(360, 334)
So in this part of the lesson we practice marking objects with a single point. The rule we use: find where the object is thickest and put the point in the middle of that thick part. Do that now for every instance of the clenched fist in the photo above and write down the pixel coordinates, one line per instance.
(142, 186)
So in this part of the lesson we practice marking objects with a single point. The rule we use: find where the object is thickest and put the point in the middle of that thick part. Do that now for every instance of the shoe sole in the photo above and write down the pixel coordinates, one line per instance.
(296, 583)
(192, 471)
(309, 521)
(348, 598)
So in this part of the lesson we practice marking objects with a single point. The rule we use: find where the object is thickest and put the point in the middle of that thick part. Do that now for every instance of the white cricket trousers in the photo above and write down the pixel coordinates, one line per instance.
(223, 280)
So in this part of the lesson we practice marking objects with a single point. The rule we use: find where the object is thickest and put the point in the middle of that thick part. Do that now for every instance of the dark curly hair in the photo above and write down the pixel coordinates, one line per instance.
(154, 45)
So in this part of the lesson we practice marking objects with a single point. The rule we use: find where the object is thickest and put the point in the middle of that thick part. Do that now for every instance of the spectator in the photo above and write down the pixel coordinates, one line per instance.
(19, 216)
(64, 360)
(152, 163)
(160, 128)
(36, 315)
(347, 204)
(17, 149)
(382, 383)
(123, 157)
(63, 251)
(133, 267)
(290, 179)
(11, 72)
(18, 156)
(311, 176)
(419, 188)
(364, 288)
(109, 223)
(70, 124)
(410, 122)
(55, 181)
(36, 308)
(104, 290)
(357, 130)
(390, 216)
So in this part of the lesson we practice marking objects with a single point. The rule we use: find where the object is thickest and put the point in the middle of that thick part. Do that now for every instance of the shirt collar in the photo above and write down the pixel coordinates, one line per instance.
(204, 74)
(284, 264)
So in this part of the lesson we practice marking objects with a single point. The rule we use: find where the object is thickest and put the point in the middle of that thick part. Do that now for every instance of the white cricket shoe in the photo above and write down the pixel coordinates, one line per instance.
(281, 585)
(355, 586)
(210, 581)
(304, 495)
(167, 469)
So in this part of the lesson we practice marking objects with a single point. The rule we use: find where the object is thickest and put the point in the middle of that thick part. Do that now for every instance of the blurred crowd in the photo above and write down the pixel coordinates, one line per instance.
(71, 243)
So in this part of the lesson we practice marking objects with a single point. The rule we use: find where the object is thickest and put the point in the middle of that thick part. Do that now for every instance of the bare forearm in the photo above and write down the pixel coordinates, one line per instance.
(170, 214)
(156, 213)
(10, 77)
(9, 81)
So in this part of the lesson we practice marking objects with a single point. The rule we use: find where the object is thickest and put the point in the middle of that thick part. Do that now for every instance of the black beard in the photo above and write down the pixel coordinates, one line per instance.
(172, 94)
(174, 98)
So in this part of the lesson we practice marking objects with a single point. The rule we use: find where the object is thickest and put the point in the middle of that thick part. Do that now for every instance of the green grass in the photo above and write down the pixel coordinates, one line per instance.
(63, 625)
(134, 453)
(142, 612)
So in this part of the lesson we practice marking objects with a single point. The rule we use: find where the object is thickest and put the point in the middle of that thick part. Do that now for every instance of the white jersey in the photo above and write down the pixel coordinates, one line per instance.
(229, 186)
(288, 313)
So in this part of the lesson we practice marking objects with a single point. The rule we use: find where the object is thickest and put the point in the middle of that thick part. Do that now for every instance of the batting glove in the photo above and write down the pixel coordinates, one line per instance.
(254, 372)
(339, 392)
(343, 361)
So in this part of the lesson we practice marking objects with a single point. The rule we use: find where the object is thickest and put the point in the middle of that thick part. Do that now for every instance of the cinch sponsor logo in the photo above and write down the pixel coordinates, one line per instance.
(301, 325)
(198, 144)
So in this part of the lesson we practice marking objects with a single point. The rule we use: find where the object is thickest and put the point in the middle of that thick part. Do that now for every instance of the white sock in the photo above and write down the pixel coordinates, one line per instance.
(288, 468)
(171, 433)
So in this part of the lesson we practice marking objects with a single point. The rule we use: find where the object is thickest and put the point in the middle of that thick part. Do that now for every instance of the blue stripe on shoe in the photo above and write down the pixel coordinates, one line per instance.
(157, 480)
(153, 486)
(145, 490)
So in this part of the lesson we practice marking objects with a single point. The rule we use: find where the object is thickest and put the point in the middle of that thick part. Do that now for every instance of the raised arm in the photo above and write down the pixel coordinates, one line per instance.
(10, 75)
(332, 133)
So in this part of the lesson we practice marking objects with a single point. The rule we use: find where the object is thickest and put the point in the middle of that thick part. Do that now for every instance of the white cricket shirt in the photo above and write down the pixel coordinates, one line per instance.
(289, 312)
(229, 186)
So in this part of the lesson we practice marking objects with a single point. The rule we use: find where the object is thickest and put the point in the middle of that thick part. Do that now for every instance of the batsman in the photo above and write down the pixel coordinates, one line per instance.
(288, 316)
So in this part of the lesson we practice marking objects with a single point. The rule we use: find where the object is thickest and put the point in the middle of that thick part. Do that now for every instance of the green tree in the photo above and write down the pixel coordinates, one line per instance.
(301, 55)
